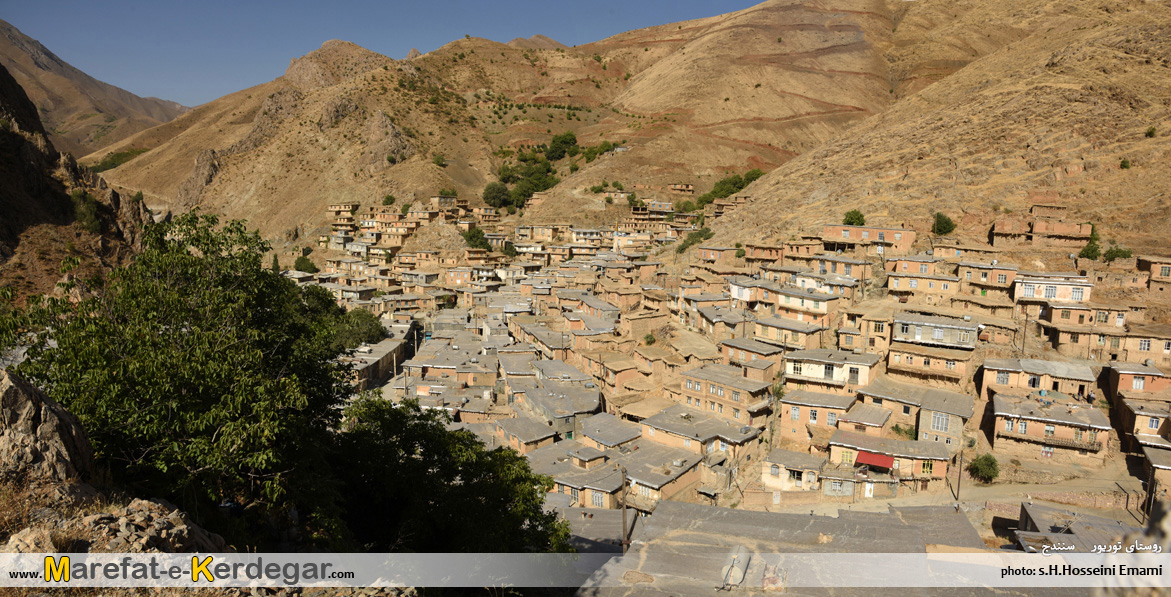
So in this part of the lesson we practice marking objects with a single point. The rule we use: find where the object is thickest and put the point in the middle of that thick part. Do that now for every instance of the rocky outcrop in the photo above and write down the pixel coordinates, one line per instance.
(207, 165)
(39, 439)
(413, 54)
(277, 108)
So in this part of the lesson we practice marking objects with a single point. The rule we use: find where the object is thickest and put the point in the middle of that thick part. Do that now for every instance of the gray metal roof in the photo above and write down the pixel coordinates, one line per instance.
(1039, 367)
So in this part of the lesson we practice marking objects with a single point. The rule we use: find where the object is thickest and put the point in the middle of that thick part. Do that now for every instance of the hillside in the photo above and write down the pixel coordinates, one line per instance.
(862, 86)
(691, 100)
(1053, 115)
(80, 113)
(40, 224)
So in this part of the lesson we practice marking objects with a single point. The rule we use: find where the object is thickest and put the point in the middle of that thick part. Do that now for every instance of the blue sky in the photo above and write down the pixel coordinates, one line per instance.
(194, 52)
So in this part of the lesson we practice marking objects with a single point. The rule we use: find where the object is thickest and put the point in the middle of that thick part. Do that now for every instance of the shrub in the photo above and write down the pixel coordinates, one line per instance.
(1116, 252)
(740, 253)
(388, 200)
(984, 468)
(854, 218)
(113, 160)
(304, 264)
(943, 224)
(439, 160)
(85, 211)
(648, 339)
(1125, 164)
(476, 239)
(1090, 251)
(1151, 133)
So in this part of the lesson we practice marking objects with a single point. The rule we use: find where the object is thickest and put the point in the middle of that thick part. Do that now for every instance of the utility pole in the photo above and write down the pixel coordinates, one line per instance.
(623, 495)
(960, 477)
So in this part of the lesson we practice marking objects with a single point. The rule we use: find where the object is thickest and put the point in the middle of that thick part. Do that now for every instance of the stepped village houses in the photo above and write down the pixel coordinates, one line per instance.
(844, 364)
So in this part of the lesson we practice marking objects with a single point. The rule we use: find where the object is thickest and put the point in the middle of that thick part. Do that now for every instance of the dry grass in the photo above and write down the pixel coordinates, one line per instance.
(17, 502)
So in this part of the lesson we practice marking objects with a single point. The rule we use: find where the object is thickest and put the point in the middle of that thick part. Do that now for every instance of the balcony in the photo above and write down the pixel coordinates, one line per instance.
(1094, 446)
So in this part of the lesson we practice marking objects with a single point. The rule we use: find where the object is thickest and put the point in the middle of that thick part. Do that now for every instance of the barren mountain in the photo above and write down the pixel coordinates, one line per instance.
(861, 88)
(40, 224)
(1078, 110)
(80, 113)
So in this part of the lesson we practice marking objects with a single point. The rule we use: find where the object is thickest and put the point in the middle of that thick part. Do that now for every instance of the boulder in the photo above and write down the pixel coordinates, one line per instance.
(39, 439)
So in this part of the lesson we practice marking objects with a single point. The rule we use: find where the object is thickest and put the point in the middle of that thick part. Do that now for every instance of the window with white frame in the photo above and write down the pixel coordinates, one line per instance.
(965, 336)
(1022, 426)
(735, 396)
(1077, 294)
(937, 334)
(796, 367)
(939, 422)
(1050, 292)
(1139, 382)
(1028, 290)
(1002, 377)
(813, 415)
(597, 499)
(774, 470)
(1144, 345)
(1008, 425)
(1034, 381)
(894, 282)
(795, 413)
(831, 418)
(1001, 278)
(913, 283)
(1154, 422)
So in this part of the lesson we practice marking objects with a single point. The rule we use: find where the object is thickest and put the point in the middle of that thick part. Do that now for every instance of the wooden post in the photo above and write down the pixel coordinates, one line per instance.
(623, 495)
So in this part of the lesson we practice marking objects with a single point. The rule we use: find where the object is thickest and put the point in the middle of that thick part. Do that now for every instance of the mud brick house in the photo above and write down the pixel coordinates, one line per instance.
(740, 351)
(869, 240)
(690, 429)
(725, 391)
(785, 470)
(788, 333)
(523, 434)
(1049, 427)
(810, 418)
(1158, 268)
(937, 415)
(1016, 375)
(605, 431)
(830, 371)
(919, 465)
(1033, 291)
(992, 279)
(930, 289)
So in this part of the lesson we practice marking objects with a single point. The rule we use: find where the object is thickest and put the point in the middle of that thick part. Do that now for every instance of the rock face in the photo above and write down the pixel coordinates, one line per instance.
(38, 437)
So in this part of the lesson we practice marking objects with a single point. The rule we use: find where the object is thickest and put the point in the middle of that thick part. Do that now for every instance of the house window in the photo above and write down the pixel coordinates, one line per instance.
(1034, 381)
(865, 234)
(946, 286)
(687, 442)
(1022, 427)
(812, 415)
(968, 275)
(796, 368)
(950, 364)
(913, 283)
(906, 409)
(1077, 294)
(898, 236)
(1008, 425)
(847, 457)
(831, 418)
(1049, 431)
(1139, 382)
(712, 406)
(574, 493)
(1047, 451)
(1001, 278)
(939, 422)
(926, 362)
(1050, 292)
(689, 386)
(1065, 313)
(922, 268)
(774, 470)
(644, 491)
(711, 388)
(928, 467)
(937, 334)
(689, 400)
(848, 269)
(1002, 377)
(720, 408)
(651, 430)
(795, 413)
(735, 396)
(879, 327)
(849, 340)
(1144, 345)
(1153, 423)
(1102, 316)
(597, 500)
(905, 328)
(1028, 290)
(720, 391)
(1165, 270)
(1077, 435)
(835, 485)
(845, 234)
(735, 413)
(1166, 346)
(894, 282)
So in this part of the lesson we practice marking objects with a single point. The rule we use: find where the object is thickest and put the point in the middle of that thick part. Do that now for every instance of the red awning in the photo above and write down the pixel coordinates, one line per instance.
(872, 459)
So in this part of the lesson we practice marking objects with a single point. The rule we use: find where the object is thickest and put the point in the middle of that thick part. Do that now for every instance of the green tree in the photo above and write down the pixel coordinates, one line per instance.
(85, 211)
(496, 194)
(740, 253)
(854, 218)
(476, 239)
(356, 327)
(199, 375)
(276, 264)
(1124, 164)
(388, 200)
(439, 160)
(398, 463)
(304, 264)
(984, 468)
(648, 339)
(1090, 251)
(1116, 252)
(942, 225)
(509, 249)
